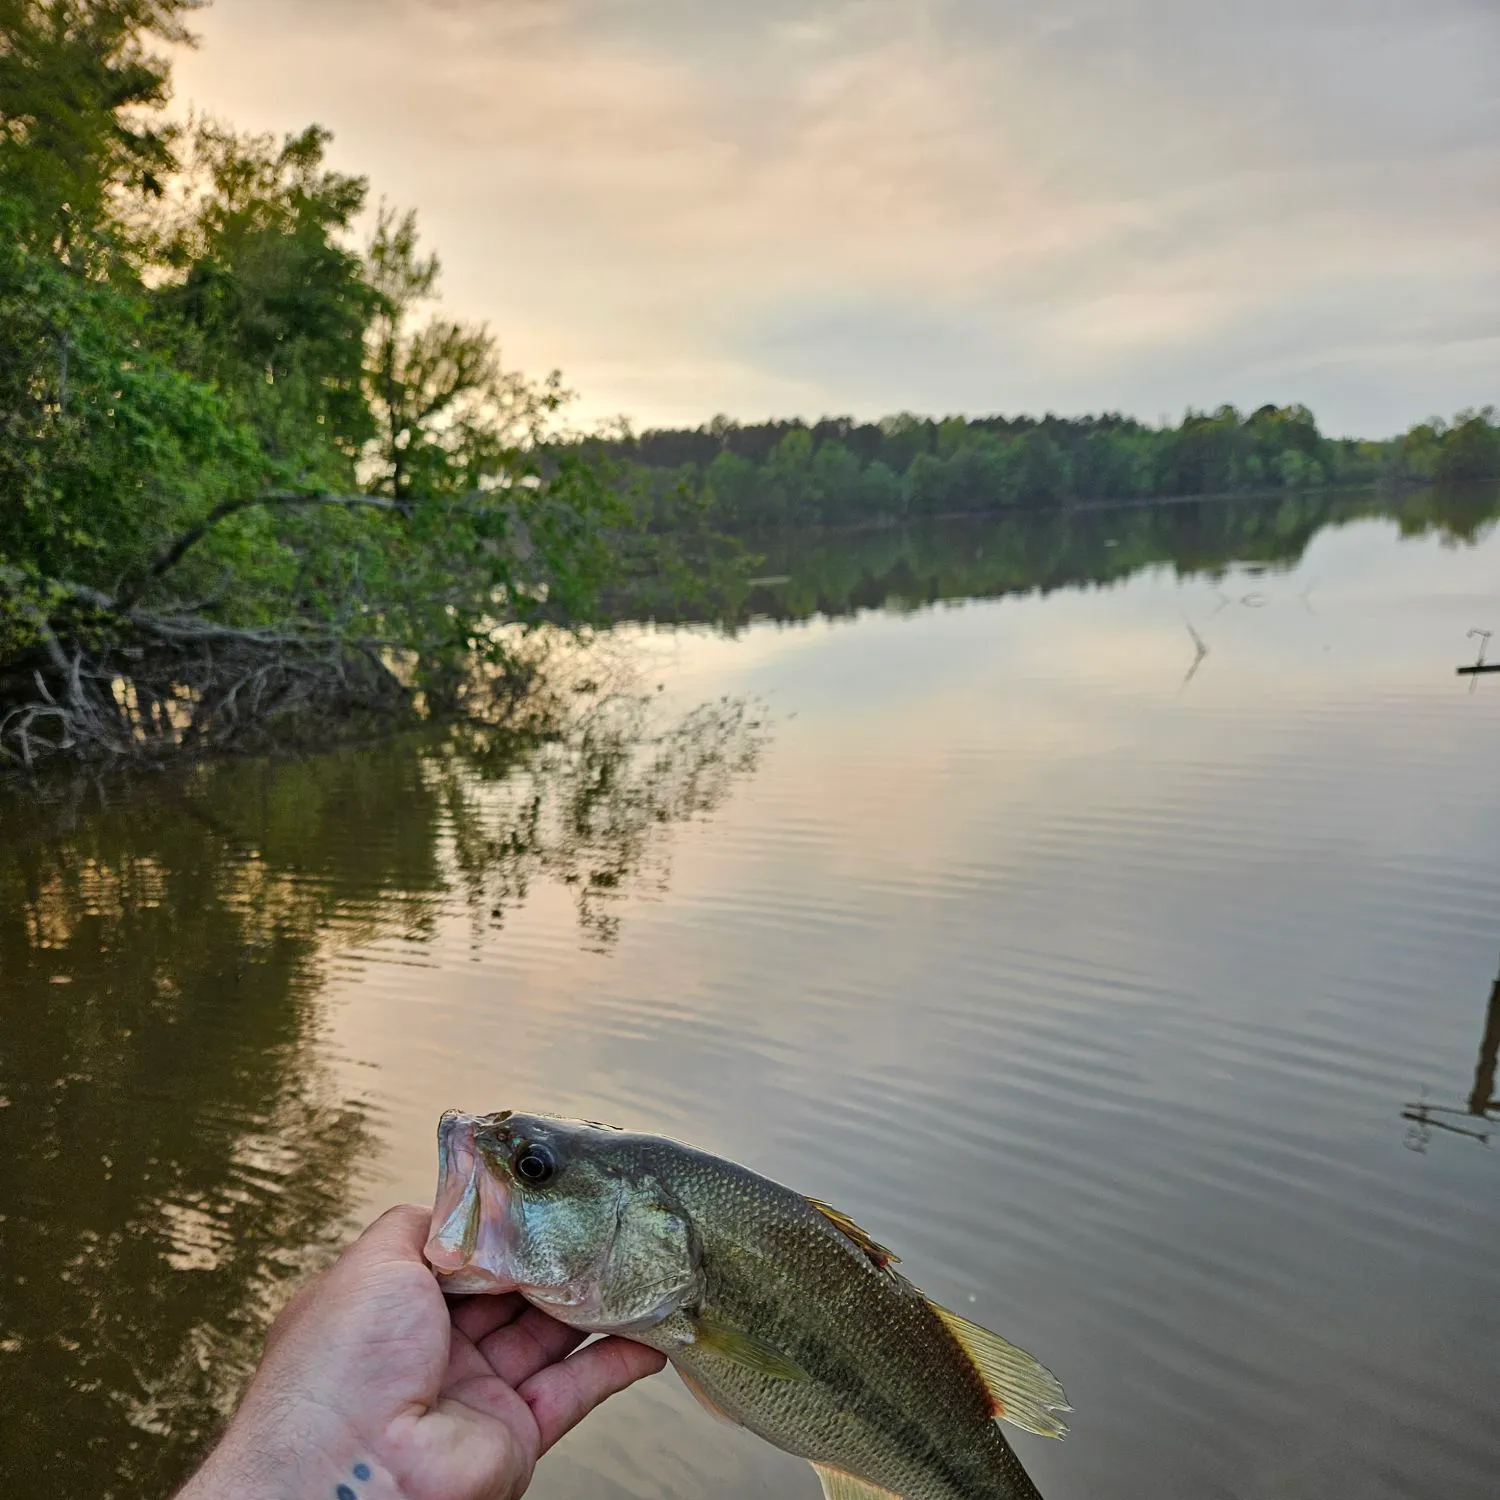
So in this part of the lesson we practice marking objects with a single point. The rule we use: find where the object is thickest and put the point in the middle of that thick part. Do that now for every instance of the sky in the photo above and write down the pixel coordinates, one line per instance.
(801, 209)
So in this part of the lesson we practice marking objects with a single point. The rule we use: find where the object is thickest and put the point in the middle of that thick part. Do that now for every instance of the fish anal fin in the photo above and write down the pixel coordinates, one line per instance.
(857, 1236)
(1025, 1392)
(746, 1349)
(707, 1402)
(838, 1485)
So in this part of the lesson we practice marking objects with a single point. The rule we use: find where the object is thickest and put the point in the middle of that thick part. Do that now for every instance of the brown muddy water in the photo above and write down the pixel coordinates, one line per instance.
(1143, 999)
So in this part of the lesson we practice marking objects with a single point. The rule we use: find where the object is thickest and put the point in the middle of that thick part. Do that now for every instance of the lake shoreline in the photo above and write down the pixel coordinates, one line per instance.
(831, 571)
(1393, 489)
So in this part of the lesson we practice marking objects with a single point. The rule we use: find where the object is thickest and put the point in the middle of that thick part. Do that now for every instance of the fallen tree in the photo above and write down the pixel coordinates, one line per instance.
(105, 679)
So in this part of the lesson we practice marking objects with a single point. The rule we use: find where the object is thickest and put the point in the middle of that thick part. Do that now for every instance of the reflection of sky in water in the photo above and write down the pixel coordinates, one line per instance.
(1095, 994)
(1095, 991)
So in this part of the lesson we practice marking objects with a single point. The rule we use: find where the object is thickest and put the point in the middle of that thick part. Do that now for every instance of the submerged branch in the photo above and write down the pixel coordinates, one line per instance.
(109, 679)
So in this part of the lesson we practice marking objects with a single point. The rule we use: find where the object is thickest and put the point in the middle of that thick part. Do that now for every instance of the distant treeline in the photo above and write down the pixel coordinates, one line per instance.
(842, 472)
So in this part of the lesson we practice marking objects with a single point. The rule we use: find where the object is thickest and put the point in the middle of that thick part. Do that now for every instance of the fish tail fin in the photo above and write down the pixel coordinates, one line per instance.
(1026, 1393)
(838, 1485)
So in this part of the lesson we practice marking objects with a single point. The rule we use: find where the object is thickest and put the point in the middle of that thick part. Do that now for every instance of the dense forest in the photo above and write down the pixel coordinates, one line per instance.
(252, 481)
(247, 474)
(840, 472)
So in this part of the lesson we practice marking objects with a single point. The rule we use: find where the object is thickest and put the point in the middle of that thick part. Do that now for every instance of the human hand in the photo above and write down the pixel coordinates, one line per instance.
(373, 1386)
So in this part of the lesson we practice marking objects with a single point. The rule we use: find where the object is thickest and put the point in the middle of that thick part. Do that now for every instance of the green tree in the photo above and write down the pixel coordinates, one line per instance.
(197, 372)
(904, 437)
(833, 483)
(1419, 448)
(1041, 470)
(79, 91)
(1470, 449)
(267, 300)
(106, 448)
(447, 416)
(880, 492)
(733, 485)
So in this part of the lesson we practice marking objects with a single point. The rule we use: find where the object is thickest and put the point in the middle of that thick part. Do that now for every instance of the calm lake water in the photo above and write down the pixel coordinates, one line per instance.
(1143, 999)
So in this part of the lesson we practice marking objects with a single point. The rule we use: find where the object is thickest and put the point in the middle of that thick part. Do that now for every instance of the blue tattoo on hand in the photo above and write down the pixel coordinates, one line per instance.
(346, 1492)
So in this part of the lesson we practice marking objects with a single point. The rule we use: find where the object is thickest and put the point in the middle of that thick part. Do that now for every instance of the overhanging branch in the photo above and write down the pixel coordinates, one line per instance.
(472, 501)
(226, 508)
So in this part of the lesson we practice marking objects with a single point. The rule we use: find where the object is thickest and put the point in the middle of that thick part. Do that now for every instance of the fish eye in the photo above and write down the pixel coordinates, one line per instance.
(535, 1164)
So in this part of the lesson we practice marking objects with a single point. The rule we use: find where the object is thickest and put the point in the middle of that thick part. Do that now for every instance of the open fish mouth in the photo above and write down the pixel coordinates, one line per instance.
(470, 1242)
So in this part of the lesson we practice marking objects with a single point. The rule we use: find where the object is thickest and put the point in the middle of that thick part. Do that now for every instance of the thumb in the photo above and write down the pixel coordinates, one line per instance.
(397, 1235)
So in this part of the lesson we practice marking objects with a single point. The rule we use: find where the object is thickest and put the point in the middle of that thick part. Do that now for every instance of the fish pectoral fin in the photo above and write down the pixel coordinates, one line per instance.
(746, 1349)
(838, 1485)
(1025, 1391)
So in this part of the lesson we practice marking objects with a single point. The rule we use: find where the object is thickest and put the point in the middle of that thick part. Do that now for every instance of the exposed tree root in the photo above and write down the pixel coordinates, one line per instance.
(110, 681)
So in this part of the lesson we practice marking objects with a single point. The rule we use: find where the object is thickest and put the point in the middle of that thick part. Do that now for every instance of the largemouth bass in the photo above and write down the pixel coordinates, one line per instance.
(780, 1313)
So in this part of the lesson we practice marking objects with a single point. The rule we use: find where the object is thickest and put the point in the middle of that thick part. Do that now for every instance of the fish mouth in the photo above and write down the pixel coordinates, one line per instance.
(470, 1242)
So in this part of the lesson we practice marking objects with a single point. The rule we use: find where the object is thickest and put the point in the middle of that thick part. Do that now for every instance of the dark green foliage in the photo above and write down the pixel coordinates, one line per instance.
(267, 299)
(239, 481)
(1470, 450)
(105, 443)
(838, 472)
(77, 84)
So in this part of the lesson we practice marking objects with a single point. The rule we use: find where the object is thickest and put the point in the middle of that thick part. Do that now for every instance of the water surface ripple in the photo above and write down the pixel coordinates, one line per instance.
(1095, 989)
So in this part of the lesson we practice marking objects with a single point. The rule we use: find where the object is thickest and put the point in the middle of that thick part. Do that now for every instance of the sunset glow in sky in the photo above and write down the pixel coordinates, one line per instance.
(696, 206)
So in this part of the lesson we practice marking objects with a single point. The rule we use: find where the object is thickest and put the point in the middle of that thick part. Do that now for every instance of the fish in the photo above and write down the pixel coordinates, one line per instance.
(779, 1312)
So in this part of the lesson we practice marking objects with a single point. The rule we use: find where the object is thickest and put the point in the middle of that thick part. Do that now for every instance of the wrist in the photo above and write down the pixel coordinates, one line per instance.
(251, 1464)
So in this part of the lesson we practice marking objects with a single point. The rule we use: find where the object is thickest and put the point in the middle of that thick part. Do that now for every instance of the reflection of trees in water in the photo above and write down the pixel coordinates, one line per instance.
(911, 567)
(174, 1150)
(588, 808)
(1484, 1104)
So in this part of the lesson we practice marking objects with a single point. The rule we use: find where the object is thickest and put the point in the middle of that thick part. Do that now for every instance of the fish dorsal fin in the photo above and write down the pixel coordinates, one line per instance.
(852, 1232)
(838, 1485)
(746, 1349)
(1026, 1392)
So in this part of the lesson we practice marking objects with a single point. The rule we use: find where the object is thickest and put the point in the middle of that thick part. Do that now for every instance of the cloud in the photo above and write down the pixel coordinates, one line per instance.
(901, 203)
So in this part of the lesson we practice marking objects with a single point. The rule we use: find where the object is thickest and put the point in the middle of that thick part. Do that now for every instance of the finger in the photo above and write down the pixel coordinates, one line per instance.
(534, 1341)
(478, 1317)
(465, 1362)
(398, 1234)
(562, 1395)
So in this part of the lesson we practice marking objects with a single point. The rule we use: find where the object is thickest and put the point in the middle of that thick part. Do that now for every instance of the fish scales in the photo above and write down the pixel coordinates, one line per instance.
(866, 1336)
(779, 1313)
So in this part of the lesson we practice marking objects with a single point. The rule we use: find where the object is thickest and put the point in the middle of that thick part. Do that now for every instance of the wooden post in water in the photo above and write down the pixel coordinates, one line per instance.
(1483, 1099)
